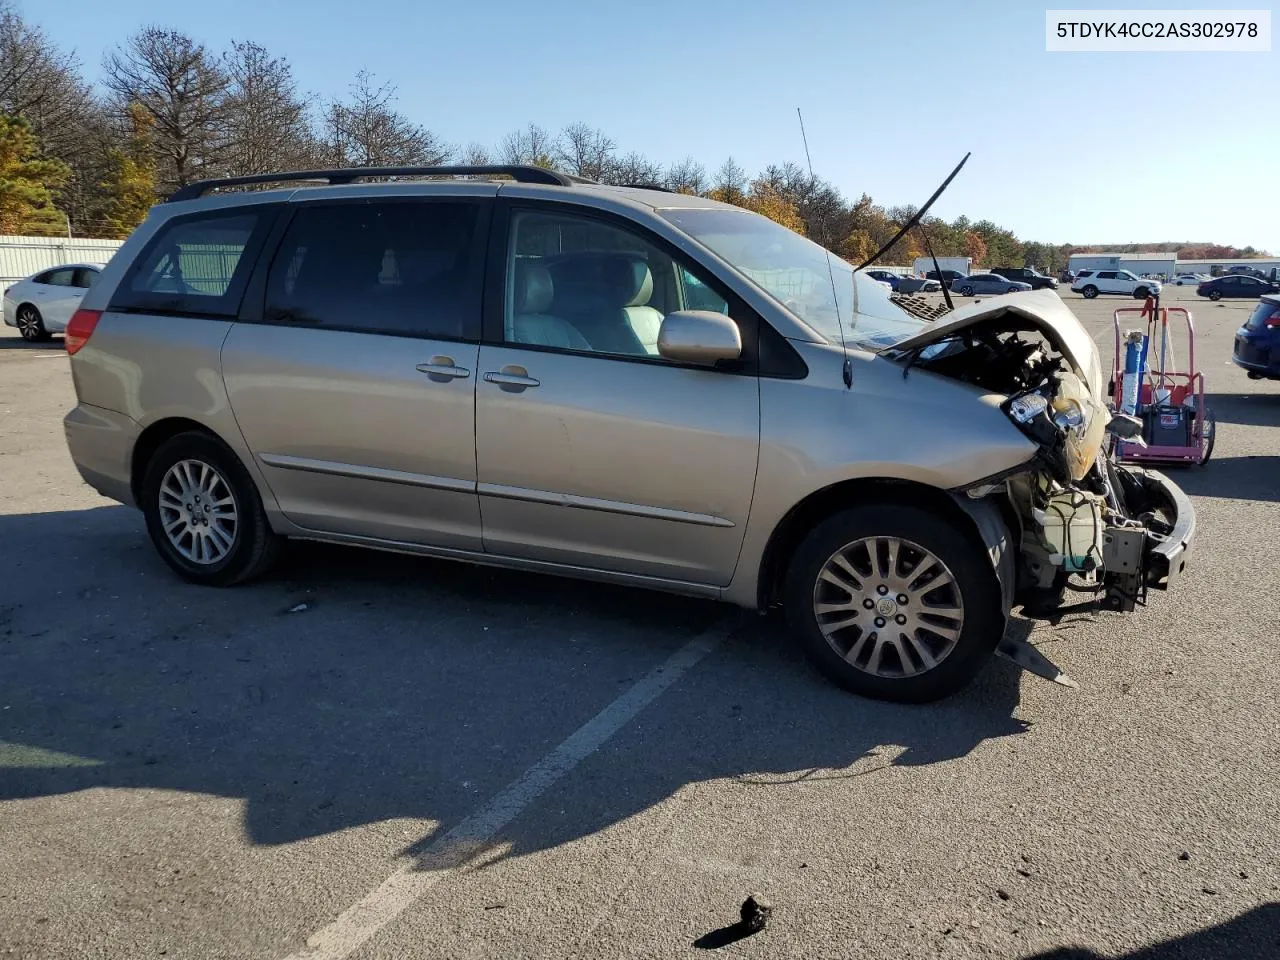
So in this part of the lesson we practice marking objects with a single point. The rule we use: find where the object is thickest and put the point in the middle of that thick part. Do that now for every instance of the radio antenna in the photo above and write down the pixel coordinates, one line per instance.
(847, 367)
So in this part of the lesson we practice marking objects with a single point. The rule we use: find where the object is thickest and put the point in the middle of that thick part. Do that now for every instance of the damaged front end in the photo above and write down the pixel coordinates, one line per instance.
(1081, 520)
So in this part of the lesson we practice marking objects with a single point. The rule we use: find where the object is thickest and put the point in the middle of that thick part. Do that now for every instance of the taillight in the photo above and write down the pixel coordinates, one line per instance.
(80, 329)
(1273, 321)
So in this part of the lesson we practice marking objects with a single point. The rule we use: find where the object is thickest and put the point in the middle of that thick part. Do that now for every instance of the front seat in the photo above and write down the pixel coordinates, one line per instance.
(533, 295)
(644, 320)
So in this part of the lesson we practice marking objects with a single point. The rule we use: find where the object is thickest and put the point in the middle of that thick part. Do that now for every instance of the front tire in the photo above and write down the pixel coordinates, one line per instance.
(204, 514)
(1141, 293)
(1089, 292)
(31, 324)
(894, 603)
(1215, 294)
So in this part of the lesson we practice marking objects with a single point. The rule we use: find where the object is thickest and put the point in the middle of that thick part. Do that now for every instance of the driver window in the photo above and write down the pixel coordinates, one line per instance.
(584, 285)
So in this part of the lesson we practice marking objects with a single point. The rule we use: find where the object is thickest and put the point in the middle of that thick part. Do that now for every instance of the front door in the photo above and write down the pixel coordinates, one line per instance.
(591, 449)
(356, 390)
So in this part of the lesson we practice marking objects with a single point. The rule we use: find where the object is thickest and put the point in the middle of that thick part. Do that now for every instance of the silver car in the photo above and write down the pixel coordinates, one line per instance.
(516, 367)
(986, 283)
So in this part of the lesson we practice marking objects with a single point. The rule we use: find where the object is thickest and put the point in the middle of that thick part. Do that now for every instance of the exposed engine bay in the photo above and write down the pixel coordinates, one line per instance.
(1083, 522)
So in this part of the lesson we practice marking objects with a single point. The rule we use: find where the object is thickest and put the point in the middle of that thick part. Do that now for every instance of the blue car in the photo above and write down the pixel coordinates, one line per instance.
(1258, 341)
(884, 276)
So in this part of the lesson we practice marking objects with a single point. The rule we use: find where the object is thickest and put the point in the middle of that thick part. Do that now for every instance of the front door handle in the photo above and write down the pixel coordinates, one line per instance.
(443, 369)
(513, 378)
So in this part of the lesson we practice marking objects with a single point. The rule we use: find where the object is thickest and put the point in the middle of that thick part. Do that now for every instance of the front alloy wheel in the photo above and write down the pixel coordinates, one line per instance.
(888, 606)
(31, 324)
(894, 602)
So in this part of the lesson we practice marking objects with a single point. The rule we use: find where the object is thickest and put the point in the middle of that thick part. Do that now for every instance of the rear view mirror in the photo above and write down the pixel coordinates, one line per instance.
(699, 336)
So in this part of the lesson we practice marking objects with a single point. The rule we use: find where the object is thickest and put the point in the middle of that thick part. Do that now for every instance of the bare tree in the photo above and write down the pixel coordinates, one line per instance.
(265, 124)
(366, 131)
(42, 85)
(585, 151)
(636, 169)
(180, 84)
(475, 155)
(687, 176)
(532, 145)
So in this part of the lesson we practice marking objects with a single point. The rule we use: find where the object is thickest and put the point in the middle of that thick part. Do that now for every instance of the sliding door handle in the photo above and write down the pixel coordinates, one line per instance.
(509, 379)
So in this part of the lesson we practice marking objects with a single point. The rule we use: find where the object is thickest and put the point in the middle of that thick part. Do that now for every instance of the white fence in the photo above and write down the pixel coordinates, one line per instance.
(22, 256)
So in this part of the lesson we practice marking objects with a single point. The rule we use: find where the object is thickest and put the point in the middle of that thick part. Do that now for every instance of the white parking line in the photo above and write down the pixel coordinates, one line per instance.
(466, 841)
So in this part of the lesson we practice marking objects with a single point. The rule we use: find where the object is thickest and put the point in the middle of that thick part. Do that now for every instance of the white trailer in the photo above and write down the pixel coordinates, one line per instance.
(962, 265)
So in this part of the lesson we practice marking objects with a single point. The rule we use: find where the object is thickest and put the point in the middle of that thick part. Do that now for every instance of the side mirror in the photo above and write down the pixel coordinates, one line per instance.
(699, 336)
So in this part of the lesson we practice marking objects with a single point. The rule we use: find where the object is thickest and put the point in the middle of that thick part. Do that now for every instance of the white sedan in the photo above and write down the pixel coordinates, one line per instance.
(1182, 279)
(43, 303)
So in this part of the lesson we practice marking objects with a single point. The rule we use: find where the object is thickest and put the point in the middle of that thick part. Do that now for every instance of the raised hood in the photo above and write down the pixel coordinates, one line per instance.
(1044, 310)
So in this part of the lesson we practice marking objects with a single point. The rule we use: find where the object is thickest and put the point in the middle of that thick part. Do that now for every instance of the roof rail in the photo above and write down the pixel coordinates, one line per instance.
(521, 174)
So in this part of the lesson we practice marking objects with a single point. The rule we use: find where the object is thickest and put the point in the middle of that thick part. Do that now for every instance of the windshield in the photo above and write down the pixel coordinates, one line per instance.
(798, 274)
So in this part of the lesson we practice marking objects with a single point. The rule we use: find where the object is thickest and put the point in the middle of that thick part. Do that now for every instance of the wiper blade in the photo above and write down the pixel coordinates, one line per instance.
(915, 219)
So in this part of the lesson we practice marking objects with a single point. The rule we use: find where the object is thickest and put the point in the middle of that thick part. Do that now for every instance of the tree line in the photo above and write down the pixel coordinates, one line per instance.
(171, 111)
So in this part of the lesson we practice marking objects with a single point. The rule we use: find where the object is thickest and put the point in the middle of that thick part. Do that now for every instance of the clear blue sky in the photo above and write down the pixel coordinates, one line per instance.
(1080, 148)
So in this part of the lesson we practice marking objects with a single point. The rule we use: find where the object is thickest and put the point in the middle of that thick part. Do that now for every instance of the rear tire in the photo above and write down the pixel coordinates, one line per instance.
(213, 550)
(833, 575)
(966, 291)
(1089, 292)
(31, 324)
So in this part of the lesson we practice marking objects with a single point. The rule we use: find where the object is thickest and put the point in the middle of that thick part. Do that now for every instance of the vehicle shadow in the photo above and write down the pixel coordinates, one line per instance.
(352, 688)
(1251, 936)
(1248, 409)
(1234, 478)
(17, 343)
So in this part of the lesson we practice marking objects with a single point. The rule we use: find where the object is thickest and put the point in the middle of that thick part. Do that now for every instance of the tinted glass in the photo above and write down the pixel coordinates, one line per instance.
(583, 285)
(84, 278)
(1107, 275)
(58, 278)
(196, 259)
(1261, 314)
(400, 268)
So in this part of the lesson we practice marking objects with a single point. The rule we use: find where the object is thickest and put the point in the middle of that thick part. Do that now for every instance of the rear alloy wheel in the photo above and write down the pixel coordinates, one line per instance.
(1089, 292)
(893, 602)
(31, 324)
(204, 514)
(966, 291)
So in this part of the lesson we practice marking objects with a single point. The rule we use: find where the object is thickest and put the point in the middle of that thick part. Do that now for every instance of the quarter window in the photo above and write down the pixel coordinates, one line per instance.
(584, 285)
(197, 264)
(398, 268)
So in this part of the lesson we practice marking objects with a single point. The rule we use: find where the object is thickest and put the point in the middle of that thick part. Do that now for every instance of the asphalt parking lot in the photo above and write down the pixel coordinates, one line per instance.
(378, 756)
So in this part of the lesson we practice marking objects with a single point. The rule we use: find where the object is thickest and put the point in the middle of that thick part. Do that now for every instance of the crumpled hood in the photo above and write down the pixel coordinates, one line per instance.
(1045, 310)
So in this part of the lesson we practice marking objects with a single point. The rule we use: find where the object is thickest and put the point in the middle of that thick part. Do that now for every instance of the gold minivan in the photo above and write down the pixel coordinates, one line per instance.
(512, 366)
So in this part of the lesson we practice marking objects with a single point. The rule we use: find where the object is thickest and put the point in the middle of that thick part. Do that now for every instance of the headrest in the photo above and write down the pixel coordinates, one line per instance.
(534, 289)
(634, 282)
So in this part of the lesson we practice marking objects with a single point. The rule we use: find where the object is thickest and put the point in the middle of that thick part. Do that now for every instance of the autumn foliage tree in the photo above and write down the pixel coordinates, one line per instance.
(27, 182)
(130, 182)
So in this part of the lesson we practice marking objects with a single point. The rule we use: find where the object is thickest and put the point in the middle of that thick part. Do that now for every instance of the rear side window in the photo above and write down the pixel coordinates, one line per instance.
(1261, 314)
(402, 268)
(57, 278)
(197, 264)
